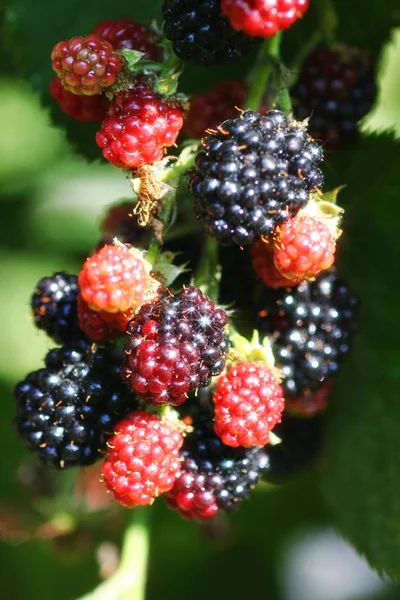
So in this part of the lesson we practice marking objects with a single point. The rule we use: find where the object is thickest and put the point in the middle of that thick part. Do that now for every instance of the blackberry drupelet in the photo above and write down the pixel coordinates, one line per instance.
(335, 89)
(310, 327)
(301, 442)
(54, 307)
(253, 174)
(200, 32)
(66, 411)
(214, 476)
(175, 345)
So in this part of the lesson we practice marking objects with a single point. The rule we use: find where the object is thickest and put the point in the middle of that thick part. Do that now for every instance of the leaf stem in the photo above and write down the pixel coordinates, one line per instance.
(262, 71)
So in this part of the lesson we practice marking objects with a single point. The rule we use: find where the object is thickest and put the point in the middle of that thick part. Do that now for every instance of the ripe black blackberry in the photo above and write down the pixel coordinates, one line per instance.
(336, 88)
(66, 411)
(310, 327)
(300, 445)
(253, 174)
(199, 31)
(54, 307)
(175, 345)
(214, 476)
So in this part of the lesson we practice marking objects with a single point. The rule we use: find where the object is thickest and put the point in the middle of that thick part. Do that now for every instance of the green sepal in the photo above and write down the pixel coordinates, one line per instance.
(252, 350)
(165, 268)
(132, 57)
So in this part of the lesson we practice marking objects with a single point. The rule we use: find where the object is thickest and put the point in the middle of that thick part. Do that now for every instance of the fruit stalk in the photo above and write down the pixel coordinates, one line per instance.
(262, 71)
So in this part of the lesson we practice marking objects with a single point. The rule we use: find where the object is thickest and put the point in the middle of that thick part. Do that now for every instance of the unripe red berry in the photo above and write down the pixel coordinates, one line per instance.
(85, 65)
(263, 18)
(138, 127)
(127, 33)
(143, 461)
(82, 108)
(248, 403)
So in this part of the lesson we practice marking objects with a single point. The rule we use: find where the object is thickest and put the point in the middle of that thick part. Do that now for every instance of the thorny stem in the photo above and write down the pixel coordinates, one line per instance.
(129, 581)
(262, 71)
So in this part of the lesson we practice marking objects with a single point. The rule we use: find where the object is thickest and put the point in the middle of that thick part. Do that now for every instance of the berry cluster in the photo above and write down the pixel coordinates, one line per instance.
(151, 372)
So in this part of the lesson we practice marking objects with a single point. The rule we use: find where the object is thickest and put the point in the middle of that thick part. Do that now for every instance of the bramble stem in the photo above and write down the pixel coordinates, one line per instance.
(171, 177)
(328, 19)
(135, 553)
(207, 275)
(282, 94)
(129, 581)
(262, 71)
(304, 51)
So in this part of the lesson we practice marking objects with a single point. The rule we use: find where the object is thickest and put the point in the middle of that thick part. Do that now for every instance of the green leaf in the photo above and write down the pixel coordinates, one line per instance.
(361, 465)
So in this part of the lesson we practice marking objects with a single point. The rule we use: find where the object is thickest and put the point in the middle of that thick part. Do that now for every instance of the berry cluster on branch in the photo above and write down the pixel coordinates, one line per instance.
(154, 372)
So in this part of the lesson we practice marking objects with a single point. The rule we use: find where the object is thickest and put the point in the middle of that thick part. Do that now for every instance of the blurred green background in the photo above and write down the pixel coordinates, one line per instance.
(51, 201)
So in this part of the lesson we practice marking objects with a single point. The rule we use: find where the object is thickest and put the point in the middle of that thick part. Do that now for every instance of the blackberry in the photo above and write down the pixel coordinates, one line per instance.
(66, 411)
(335, 89)
(54, 307)
(253, 174)
(175, 345)
(199, 31)
(310, 327)
(214, 476)
(300, 445)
